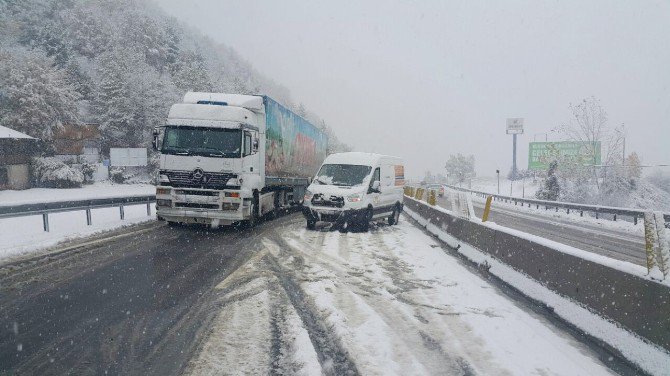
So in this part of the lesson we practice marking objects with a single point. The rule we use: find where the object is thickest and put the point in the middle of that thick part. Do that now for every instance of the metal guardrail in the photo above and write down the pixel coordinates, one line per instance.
(597, 210)
(44, 209)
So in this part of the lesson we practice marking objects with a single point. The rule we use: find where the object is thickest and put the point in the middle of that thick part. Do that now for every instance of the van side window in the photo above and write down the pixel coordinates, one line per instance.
(375, 176)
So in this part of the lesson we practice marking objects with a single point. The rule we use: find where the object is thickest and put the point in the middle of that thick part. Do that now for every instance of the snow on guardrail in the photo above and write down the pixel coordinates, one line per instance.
(635, 214)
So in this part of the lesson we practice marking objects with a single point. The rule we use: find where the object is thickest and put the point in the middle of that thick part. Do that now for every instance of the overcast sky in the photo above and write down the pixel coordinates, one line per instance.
(424, 79)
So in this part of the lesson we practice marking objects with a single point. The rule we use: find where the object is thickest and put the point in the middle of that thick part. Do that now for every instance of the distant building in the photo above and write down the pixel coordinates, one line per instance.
(77, 143)
(16, 150)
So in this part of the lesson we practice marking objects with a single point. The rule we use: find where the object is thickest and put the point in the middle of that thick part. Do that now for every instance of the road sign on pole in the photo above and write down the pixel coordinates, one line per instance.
(515, 126)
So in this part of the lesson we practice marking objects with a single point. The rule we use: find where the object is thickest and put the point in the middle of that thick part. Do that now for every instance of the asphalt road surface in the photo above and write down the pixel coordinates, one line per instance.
(589, 237)
(133, 305)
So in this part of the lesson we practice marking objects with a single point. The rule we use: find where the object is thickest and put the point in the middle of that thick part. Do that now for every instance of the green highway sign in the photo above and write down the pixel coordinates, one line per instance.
(540, 154)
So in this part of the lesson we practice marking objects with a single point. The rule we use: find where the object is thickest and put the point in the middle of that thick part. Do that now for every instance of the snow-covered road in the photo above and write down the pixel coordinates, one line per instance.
(391, 301)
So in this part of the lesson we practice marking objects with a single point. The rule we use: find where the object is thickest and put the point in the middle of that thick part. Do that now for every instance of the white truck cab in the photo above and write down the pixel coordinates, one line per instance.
(353, 189)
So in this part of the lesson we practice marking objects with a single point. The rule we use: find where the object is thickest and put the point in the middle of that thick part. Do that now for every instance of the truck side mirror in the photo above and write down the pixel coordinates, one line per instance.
(255, 145)
(154, 142)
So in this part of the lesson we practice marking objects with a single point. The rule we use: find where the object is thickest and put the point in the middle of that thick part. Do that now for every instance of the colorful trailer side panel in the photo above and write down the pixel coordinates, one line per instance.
(293, 147)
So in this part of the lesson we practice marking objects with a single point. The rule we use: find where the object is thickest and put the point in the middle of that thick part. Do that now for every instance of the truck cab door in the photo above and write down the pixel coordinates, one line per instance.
(250, 167)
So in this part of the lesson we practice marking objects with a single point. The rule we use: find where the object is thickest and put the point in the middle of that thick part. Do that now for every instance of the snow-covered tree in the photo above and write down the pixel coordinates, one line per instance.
(126, 58)
(189, 72)
(35, 96)
(460, 167)
(551, 189)
(131, 98)
(588, 123)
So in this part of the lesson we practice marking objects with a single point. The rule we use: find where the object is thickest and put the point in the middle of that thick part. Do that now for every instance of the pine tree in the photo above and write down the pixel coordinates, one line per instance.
(551, 189)
(36, 97)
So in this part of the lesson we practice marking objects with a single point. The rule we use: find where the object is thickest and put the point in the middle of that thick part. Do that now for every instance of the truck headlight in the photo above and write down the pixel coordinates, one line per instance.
(164, 203)
(163, 178)
(308, 195)
(234, 182)
(354, 198)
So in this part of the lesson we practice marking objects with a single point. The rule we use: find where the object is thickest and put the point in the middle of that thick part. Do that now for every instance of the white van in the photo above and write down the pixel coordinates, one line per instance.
(352, 189)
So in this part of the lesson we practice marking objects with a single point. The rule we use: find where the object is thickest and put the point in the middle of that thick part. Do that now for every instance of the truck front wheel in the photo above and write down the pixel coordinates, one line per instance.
(253, 218)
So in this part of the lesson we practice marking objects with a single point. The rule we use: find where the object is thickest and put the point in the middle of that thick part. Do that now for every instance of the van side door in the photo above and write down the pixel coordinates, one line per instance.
(388, 186)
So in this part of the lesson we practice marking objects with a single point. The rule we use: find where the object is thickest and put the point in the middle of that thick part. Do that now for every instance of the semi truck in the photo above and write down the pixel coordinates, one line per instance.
(230, 159)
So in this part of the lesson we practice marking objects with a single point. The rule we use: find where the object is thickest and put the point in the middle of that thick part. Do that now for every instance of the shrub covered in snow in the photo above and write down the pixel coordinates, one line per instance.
(51, 173)
(88, 170)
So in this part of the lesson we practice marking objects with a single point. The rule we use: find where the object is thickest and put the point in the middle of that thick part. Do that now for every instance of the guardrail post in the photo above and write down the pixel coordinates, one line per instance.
(581, 213)
(568, 210)
(635, 219)
(487, 209)
(615, 217)
(45, 221)
(596, 215)
(122, 214)
(88, 217)
(148, 209)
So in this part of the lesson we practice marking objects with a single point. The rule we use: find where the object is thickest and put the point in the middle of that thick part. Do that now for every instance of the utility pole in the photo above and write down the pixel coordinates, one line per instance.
(498, 173)
(623, 130)
(514, 156)
(514, 127)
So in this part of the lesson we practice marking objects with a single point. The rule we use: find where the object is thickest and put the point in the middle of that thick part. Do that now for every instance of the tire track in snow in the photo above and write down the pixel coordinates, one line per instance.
(334, 359)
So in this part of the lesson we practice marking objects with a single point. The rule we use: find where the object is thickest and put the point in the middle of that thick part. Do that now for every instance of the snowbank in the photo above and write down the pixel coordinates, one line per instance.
(651, 358)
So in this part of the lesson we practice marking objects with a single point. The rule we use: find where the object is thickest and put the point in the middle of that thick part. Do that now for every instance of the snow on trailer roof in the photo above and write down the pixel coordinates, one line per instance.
(356, 158)
(10, 133)
(250, 102)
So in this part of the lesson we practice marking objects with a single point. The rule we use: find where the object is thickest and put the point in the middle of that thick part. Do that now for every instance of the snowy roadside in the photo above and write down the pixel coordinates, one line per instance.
(390, 301)
(573, 217)
(648, 357)
(624, 266)
(22, 235)
(104, 189)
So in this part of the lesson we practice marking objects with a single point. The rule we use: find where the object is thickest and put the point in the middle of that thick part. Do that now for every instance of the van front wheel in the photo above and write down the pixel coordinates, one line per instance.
(395, 216)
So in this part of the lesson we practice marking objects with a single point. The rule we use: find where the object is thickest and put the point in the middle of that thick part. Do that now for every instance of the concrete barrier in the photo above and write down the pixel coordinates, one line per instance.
(637, 304)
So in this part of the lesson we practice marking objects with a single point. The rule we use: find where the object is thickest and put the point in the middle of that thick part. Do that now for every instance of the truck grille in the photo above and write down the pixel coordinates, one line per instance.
(198, 179)
(195, 205)
(332, 201)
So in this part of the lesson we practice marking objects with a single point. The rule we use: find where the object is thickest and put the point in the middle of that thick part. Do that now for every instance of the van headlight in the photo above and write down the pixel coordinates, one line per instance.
(163, 178)
(308, 195)
(354, 198)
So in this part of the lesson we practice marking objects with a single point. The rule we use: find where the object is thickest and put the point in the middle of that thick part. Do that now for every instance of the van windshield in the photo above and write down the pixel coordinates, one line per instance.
(342, 174)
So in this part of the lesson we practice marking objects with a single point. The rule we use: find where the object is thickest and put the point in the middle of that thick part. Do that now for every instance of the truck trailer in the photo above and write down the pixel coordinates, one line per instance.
(230, 159)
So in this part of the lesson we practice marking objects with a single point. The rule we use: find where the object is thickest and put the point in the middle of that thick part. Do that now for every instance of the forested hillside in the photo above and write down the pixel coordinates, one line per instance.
(119, 63)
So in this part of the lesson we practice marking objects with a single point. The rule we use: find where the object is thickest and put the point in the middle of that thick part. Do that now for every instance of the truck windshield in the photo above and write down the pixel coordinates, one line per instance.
(209, 142)
(342, 174)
